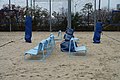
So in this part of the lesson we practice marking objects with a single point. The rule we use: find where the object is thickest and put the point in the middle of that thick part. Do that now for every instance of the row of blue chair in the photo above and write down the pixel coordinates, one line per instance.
(43, 49)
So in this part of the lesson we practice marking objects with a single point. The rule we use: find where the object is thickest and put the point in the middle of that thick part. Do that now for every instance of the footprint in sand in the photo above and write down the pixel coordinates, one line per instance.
(23, 75)
(58, 76)
(31, 76)
(37, 75)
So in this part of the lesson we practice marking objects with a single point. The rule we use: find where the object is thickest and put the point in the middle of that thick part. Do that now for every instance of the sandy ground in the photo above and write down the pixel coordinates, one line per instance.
(102, 61)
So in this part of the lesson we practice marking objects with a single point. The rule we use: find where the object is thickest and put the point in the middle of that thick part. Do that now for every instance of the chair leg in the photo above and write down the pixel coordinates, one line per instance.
(43, 57)
(24, 57)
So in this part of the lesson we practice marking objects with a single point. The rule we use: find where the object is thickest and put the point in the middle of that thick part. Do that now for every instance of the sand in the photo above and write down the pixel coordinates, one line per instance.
(102, 61)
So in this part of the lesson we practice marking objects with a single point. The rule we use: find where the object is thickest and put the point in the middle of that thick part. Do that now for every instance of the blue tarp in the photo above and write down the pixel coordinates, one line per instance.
(28, 29)
(69, 31)
(97, 33)
(65, 46)
(67, 37)
(66, 43)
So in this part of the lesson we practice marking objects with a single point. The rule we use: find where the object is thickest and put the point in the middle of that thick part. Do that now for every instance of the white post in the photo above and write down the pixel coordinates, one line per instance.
(69, 13)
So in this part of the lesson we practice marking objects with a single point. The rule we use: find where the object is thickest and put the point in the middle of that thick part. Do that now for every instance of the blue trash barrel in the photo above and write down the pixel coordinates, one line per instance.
(97, 33)
(28, 29)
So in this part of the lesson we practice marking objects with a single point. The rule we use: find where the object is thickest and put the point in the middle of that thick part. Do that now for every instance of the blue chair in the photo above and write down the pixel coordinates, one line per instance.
(52, 40)
(38, 49)
(77, 50)
(59, 36)
(50, 44)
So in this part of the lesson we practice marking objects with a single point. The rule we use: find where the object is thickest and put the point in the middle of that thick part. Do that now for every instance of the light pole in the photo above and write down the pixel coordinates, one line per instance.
(50, 15)
(34, 7)
(108, 5)
(99, 8)
(69, 13)
(31, 3)
(94, 15)
(9, 4)
(9, 14)
(26, 5)
(31, 7)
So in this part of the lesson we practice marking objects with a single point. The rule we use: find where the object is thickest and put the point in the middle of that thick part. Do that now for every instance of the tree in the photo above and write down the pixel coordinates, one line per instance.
(104, 14)
(76, 20)
(87, 10)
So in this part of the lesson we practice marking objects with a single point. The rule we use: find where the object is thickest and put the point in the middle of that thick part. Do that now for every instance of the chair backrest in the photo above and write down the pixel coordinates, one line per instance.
(42, 45)
(49, 40)
(52, 39)
(70, 31)
(59, 33)
(74, 44)
(67, 37)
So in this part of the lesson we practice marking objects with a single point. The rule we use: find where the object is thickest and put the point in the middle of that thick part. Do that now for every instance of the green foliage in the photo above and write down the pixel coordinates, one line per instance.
(116, 18)
(75, 20)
